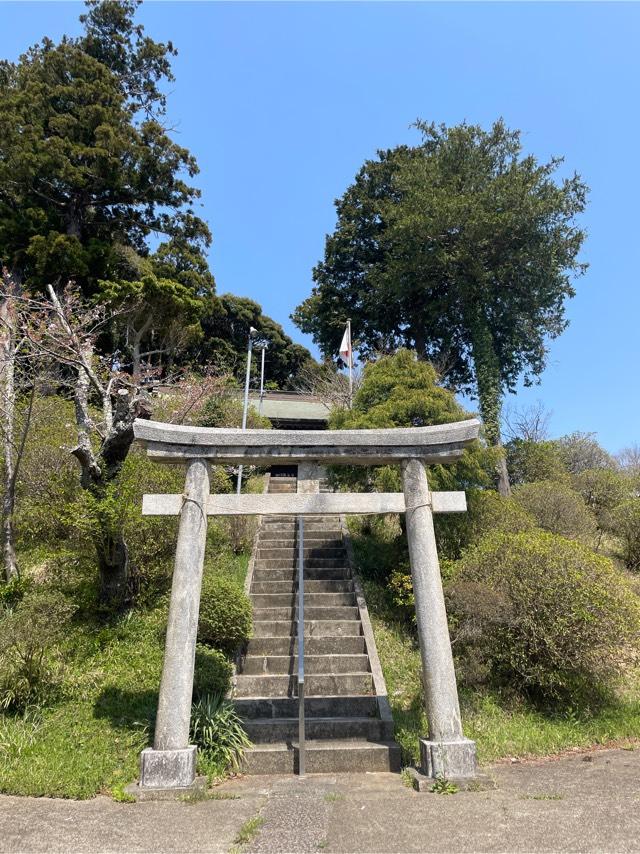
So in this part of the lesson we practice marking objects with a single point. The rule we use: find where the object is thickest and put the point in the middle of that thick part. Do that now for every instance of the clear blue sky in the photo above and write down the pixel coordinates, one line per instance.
(281, 103)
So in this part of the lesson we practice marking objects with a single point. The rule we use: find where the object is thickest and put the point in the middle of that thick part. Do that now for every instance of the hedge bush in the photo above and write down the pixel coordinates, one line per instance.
(225, 614)
(547, 616)
(556, 508)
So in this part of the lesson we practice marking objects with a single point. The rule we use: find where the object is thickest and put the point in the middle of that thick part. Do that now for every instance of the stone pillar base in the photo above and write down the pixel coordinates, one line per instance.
(450, 759)
(167, 769)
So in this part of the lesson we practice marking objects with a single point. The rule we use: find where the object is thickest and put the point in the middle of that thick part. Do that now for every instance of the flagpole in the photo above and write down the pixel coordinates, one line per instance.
(350, 365)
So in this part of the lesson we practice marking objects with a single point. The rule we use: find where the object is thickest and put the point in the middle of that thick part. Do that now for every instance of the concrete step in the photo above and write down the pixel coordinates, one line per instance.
(315, 684)
(310, 563)
(272, 552)
(312, 628)
(344, 645)
(291, 538)
(357, 706)
(311, 600)
(323, 757)
(254, 665)
(273, 730)
(328, 586)
(325, 519)
(290, 573)
(311, 525)
(339, 612)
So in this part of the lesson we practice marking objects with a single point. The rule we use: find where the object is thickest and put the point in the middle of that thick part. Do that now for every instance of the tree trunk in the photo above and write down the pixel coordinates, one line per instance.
(487, 371)
(419, 340)
(114, 570)
(8, 414)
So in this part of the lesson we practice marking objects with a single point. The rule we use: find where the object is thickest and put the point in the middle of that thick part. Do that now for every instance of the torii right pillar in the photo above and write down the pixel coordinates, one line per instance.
(446, 752)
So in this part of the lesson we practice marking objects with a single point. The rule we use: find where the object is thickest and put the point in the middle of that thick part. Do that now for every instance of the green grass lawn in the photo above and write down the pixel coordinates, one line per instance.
(89, 741)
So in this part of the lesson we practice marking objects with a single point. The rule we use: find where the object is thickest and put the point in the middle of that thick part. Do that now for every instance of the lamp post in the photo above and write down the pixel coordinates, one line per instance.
(263, 348)
(252, 331)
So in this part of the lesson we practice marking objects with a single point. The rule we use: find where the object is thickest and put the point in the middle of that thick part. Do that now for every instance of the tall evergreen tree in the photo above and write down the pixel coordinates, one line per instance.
(86, 165)
(462, 248)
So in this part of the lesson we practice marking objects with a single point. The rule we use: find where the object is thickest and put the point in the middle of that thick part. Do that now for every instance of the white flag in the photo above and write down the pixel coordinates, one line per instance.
(345, 347)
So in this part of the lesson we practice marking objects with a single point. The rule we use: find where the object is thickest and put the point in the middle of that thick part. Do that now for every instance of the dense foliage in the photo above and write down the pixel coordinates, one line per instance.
(542, 614)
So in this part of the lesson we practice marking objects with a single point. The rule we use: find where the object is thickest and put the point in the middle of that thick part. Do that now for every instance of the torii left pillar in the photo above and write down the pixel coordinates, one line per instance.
(171, 762)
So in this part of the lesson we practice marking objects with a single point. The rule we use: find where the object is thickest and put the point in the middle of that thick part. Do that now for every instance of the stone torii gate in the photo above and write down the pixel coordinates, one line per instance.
(171, 763)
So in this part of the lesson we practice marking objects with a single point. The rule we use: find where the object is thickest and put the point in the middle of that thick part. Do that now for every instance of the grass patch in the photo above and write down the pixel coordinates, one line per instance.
(332, 797)
(89, 742)
(249, 830)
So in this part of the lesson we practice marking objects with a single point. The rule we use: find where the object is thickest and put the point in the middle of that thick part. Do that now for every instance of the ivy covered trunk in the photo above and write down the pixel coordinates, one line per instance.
(487, 371)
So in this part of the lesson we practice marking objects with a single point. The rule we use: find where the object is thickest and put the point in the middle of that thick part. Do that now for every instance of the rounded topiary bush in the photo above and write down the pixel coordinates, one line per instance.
(213, 672)
(556, 508)
(225, 614)
(542, 614)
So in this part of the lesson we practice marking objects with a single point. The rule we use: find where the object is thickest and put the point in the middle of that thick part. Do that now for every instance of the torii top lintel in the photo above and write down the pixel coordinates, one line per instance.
(441, 443)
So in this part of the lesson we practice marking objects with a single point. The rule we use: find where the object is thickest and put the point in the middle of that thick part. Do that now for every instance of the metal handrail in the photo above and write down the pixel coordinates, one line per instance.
(301, 727)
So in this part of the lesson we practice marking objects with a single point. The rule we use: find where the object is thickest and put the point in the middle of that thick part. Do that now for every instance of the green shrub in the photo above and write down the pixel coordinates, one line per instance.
(529, 461)
(401, 589)
(487, 511)
(602, 490)
(30, 661)
(217, 730)
(556, 508)
(225, 614)
(544, 615)
(49, 479)
(13, 591)
(213, 672)
(624, 523)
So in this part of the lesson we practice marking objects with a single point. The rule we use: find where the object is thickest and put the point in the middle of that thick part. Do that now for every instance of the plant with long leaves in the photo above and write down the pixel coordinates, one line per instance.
(217, 730)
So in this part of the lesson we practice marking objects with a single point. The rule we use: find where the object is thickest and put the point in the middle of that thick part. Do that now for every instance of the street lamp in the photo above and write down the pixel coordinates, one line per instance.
(263, 347)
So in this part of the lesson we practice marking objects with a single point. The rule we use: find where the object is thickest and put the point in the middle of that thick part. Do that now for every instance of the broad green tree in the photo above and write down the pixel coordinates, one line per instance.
(462, 248)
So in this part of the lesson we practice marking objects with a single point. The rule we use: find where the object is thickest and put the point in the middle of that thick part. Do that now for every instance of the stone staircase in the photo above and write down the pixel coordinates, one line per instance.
(348, 722)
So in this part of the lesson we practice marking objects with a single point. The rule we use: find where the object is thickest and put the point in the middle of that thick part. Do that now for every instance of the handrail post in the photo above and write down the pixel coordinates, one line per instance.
(301, 726)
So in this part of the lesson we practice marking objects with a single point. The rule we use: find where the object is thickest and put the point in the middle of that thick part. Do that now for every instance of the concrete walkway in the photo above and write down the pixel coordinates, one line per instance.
(580, 803)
